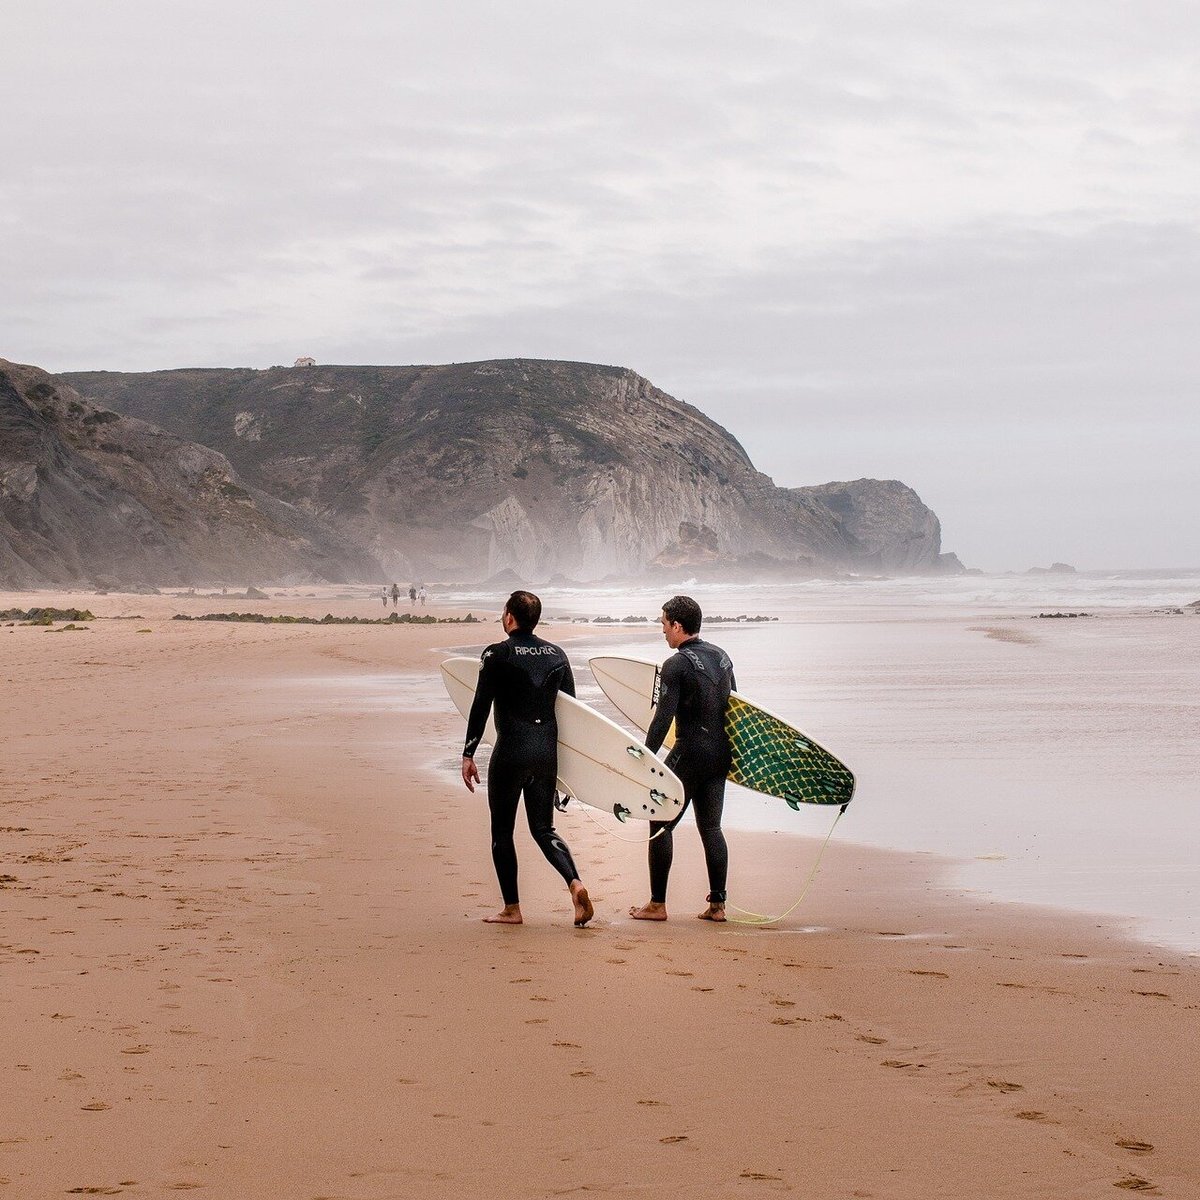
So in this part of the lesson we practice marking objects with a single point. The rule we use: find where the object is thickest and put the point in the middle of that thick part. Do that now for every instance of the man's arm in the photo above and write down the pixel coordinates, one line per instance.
(481, 706)
(668, 702)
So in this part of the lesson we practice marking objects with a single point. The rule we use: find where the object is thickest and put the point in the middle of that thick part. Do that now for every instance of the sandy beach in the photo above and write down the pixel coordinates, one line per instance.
(242, 954)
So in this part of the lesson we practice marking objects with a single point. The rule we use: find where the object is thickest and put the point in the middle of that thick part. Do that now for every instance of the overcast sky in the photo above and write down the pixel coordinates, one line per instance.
(950, 243)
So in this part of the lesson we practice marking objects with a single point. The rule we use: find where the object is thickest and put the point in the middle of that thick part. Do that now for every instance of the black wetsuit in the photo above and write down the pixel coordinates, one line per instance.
(522, 678)
(693, 691)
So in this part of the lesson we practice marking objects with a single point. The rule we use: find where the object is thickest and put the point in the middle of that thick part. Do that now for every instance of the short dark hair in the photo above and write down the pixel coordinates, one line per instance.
(684, 610)
(526, 609)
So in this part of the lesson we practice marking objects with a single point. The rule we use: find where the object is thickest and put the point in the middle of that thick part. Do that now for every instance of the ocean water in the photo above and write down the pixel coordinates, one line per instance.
(1056, 760)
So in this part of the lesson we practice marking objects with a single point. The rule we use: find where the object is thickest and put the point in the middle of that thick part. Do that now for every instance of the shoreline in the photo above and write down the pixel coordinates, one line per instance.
(598, 637)
(245, 956)
(1167, 934)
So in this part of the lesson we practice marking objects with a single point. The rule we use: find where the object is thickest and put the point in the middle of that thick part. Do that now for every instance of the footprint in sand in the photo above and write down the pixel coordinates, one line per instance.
(934, 974)
(1030, 1114)
(1135, 1147)
(1003, 1085)
(676, 1137)
(1135, 1183)
(871, 1041)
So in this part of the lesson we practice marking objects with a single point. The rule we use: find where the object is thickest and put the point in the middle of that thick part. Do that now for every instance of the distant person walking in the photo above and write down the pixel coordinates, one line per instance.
(421, 595)
(694, 693)
(385, 595)
(395, 596)
(521, 678)
(412, 594)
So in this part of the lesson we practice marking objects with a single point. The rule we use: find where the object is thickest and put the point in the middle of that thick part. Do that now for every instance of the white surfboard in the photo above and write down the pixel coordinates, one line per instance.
(599, 763)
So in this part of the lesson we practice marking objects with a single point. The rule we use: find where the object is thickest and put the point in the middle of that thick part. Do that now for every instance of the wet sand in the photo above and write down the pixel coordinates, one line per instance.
(241, 953)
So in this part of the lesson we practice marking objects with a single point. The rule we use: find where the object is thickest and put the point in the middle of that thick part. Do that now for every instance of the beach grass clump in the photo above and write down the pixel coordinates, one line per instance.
(329, 619)
(46, 616)
(717, 620)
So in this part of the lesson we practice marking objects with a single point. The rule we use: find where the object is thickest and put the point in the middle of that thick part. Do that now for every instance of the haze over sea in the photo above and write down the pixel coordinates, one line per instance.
(1056, 760)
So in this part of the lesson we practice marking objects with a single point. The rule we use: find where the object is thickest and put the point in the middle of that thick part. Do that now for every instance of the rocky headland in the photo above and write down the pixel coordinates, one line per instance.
(525, 467)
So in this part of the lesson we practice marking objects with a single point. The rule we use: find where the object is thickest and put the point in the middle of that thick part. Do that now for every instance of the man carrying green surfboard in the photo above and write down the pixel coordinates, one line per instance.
(692, 691)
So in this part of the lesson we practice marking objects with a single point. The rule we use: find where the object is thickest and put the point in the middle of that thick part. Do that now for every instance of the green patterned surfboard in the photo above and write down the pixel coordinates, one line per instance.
(769, 755)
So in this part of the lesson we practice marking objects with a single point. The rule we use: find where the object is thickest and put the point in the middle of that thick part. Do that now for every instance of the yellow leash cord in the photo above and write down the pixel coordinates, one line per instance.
(753, 918)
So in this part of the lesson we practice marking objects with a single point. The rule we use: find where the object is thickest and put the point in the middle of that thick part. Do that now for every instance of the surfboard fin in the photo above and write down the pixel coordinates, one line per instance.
(657, 797)
(560, 801)
(634, 751)
(620, 812)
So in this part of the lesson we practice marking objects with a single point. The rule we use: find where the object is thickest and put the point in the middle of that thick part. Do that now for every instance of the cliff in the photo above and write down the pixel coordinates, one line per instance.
(537, 467)
(90, 496)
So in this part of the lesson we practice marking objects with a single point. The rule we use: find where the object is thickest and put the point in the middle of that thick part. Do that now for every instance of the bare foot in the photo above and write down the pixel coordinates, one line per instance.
(583, 905)
(652, 910)
(510, 914)
(714, 912)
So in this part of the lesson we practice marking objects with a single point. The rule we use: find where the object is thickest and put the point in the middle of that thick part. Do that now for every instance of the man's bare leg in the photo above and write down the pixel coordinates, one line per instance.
(652, 910)
(510, 914)
(714, 912)
(583, 905)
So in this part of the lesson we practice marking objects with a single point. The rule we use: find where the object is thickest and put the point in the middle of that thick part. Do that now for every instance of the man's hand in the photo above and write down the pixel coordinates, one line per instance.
(470, 773)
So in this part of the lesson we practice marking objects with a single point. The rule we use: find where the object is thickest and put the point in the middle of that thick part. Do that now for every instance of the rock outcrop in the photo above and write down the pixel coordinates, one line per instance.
(881, 524)
(541, 468)
(1057, 568)
(88, 496)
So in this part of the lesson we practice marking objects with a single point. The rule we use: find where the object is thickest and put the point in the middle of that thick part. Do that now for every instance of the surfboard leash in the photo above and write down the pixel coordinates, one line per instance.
(759, 919)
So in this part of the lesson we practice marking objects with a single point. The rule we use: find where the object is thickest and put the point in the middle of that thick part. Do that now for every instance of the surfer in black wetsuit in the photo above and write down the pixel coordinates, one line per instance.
(693, 691)
(522, 677)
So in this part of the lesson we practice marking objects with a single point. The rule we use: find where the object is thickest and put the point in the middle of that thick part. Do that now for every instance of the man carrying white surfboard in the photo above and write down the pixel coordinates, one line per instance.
(522, 677)
(693, 692)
